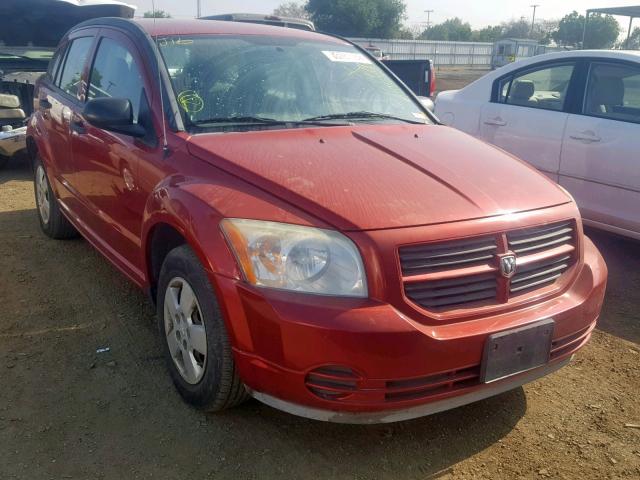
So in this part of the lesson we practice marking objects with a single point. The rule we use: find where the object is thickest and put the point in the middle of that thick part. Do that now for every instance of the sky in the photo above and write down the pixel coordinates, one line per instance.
(478, 13)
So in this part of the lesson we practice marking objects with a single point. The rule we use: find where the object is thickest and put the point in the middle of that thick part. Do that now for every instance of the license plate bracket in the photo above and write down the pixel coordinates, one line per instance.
(518, 350)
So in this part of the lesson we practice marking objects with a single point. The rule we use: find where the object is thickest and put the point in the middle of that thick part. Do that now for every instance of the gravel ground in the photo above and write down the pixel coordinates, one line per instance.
(67, 412)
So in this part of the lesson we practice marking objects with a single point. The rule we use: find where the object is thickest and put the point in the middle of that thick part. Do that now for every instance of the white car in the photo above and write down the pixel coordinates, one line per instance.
(573, 115)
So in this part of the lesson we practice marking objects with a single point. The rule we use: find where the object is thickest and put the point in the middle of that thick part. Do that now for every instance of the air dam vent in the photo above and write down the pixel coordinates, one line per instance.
(332, 382)
(424, 387)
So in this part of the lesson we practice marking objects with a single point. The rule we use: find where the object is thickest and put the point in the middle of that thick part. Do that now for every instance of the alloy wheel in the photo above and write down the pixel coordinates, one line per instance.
(42, 195)
(185, 331)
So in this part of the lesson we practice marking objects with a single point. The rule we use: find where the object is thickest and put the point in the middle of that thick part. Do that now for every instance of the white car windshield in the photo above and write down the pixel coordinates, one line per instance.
(253, 81)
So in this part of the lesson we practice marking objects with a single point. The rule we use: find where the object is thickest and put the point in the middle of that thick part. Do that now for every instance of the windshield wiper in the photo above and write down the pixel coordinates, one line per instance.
(239, 119)
(15, 55)
(359, 116)
(249, 120)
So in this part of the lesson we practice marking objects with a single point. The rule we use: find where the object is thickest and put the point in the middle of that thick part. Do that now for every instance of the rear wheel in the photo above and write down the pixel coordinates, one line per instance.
(196, 344)
(52, 221)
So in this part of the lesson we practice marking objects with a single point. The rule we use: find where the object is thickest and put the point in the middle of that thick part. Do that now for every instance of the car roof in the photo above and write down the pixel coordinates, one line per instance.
(260, 18)
(169, 27)
(633, 55)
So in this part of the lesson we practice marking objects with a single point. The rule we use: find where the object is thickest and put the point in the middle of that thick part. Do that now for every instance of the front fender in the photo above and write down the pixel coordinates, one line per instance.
(175, 204)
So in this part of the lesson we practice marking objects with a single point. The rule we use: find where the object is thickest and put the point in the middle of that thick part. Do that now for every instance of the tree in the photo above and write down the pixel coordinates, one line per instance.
(633, 43)
(292, 10)
(405, 33)
(358, 18)
(601, 32)
(516, 29)
(157, 14)
(487, 34)
(452, 29)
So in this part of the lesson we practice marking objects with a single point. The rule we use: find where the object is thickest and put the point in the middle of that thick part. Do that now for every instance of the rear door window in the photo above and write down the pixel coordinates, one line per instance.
(544, 88)
(613, 91)
(71, 78)
(55, 63)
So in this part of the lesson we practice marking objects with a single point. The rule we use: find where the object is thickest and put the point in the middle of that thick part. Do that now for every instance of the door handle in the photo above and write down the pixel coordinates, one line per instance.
(497, 121)
(77, 125)
(44, 104)
(587, 137)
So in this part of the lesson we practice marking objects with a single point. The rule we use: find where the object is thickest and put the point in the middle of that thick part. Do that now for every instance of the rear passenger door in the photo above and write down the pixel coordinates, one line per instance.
(57, 100)
(601, 152)
(527, 114)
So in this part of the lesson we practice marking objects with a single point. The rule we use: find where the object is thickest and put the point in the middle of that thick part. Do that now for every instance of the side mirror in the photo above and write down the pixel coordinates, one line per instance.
(427, 103)
(114, 115)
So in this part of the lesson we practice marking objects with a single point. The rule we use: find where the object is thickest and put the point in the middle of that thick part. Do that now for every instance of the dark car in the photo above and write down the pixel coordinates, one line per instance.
(311, 236)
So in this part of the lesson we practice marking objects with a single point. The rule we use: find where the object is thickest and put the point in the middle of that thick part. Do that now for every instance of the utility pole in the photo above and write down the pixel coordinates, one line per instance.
(199, 10)
(428, 12)
(533, 20)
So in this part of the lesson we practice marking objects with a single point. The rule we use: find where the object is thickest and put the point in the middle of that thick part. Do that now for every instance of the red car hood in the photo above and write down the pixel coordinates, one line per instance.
(372, 177)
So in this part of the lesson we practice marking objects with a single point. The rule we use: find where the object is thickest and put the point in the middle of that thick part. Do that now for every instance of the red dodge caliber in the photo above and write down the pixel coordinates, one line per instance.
(311, 235)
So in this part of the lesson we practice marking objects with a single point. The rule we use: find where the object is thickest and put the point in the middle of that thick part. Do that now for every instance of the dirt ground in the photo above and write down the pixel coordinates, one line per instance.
(453, 78)
(68, 412)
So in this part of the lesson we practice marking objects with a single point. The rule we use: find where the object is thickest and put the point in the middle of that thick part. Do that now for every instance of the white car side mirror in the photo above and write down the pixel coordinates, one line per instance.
(427, 103)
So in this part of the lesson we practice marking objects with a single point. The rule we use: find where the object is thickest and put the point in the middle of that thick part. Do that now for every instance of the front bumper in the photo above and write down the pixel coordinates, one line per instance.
(411, 412)
(396, 367)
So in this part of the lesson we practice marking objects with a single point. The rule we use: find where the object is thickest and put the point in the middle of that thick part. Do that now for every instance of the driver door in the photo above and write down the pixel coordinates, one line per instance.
(108, 162)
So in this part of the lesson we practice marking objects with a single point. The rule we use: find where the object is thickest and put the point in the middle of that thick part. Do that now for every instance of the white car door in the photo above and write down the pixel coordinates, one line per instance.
(526, 115)
(600, 164)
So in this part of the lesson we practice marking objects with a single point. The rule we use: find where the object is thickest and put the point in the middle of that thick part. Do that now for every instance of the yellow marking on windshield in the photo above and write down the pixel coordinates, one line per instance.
(191, 101)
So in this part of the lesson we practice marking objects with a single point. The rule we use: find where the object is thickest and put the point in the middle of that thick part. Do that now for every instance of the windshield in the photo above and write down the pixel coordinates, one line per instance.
(260, 80)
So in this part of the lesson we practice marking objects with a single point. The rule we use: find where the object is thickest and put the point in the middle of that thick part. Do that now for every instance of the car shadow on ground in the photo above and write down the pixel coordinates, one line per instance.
(619, 315)
(17, 168)
(433, 444)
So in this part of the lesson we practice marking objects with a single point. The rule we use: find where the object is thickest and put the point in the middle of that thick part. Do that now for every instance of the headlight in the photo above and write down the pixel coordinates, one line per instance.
(291, 257)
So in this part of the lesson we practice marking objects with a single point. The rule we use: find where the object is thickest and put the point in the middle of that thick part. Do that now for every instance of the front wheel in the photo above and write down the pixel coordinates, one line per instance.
(52, 221)
(196, 344)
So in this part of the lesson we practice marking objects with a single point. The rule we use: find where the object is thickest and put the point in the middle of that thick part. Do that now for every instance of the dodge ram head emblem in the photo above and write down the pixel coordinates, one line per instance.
(508, 265)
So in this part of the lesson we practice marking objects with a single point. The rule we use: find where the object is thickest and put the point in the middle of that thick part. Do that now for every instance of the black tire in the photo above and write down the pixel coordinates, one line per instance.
(220, 386)
(56, 225)
(3, 161)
